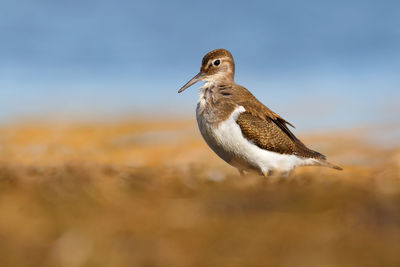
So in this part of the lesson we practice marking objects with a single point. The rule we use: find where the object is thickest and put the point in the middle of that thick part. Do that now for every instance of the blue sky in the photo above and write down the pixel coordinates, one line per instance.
(317, 63)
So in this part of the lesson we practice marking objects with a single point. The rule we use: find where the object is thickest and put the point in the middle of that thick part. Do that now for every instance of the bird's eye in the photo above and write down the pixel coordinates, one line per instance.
(217, 62)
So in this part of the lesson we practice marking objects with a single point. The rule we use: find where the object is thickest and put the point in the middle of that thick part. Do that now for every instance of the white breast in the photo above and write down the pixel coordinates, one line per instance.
(228, 142)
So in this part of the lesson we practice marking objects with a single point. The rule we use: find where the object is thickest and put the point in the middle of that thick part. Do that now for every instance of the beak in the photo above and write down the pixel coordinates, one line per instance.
(194, 80)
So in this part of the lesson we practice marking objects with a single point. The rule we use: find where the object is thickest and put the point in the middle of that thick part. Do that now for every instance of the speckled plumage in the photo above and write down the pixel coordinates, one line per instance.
(271, 135)
(239, 128)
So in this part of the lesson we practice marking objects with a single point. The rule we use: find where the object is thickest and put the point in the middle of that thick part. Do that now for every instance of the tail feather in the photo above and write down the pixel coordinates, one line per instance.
(325, 163)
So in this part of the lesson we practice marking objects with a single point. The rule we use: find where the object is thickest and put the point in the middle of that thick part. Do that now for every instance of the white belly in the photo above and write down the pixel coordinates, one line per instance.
(227, 140)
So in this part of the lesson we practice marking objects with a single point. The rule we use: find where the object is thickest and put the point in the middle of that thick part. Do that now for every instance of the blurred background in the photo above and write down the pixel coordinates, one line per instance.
(102, 164)
(320, 64)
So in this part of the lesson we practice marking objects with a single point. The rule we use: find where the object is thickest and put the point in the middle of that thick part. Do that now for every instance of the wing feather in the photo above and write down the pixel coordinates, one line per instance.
(268, 130)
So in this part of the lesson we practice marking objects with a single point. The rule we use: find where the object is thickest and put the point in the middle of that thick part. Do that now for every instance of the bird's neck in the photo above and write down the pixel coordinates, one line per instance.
(216, 81)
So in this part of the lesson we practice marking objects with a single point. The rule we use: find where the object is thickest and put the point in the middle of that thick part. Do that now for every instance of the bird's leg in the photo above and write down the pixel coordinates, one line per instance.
(268, 173)
(241, 172)
(286, 174)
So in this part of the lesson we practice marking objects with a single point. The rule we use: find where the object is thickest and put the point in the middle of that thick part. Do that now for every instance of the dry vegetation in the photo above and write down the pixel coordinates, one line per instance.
(152, 194)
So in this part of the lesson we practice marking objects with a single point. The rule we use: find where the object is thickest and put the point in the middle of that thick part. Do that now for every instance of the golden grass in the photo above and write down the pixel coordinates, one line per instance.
(153, 194)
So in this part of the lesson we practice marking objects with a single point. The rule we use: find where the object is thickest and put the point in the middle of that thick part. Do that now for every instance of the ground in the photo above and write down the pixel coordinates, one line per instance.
(140, 193)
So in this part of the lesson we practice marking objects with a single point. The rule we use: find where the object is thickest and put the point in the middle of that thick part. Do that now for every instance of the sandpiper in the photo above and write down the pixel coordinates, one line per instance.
(240, 129)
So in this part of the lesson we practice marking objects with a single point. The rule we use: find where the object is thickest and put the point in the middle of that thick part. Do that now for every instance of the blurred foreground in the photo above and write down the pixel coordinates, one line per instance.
(153, 194)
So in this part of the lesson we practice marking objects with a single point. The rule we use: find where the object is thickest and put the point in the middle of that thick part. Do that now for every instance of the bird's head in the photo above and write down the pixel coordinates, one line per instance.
(217, 65)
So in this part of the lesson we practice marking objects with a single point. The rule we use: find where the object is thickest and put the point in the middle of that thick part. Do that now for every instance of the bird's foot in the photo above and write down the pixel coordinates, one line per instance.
(277, 174)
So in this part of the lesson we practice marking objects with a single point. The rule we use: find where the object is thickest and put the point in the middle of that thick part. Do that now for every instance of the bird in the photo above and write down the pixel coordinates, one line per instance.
(240, 129)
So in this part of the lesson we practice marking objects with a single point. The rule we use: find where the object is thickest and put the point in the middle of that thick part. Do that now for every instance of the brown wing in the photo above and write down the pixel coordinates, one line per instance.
(267, 134)
(268, 130)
